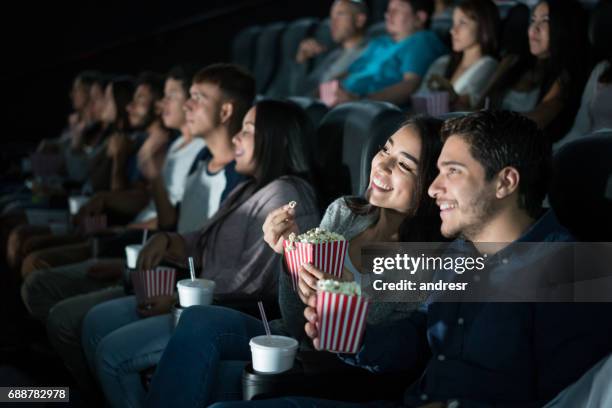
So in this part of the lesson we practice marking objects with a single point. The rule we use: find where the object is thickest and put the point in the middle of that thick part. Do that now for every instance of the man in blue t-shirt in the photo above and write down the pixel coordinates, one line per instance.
(391, 67)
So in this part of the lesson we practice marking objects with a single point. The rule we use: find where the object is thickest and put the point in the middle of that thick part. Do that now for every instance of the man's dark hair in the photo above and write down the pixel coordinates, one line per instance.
(154, 81)
(88, 78)
(500, 139)
(184, 74)
(422, 5)
(237, 86)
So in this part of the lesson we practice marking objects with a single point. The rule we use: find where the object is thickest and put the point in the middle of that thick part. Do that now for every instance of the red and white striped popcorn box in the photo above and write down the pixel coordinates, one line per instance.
(341, 321)
(431, 103)
(94, 223)
(326, 256)
(153, 282)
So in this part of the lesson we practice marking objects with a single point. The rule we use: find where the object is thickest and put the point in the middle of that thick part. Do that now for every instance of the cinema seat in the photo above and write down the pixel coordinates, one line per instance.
(581, 188)
(243, 47)
(267, 55)
(291, 38)
(315, 109)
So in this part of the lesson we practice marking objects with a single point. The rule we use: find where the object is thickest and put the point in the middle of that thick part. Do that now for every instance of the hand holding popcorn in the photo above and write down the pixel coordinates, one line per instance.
(279, 224)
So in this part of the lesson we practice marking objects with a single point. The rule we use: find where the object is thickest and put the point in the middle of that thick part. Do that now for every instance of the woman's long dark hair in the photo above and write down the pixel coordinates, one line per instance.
(486, 15)
(282, 135)
(568, 52)
(422, 224)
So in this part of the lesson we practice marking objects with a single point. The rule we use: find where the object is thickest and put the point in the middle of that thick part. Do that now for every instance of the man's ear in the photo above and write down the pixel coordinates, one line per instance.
(422, 18)
(226, 112)
(507, 182)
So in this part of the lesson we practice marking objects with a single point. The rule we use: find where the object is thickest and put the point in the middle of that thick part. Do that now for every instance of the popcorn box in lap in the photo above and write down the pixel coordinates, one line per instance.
(153, 282)
(325, 250)
(341, 316)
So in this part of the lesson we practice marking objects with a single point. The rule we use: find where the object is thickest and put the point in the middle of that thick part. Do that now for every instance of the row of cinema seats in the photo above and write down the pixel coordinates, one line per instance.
(580, 194)
(269, 51)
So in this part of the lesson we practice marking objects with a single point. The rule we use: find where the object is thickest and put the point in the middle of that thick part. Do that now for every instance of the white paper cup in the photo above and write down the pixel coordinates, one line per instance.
(76, 202)
(196, 292)
(273, 354)
(131, 255)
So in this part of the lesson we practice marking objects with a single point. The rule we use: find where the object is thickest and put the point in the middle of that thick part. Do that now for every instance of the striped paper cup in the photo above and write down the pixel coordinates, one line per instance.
(341, 321)
(327, 256)
(153, 282)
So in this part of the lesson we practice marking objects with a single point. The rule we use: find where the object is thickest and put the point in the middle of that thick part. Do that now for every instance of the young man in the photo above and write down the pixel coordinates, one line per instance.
(494, 169)
(391, 67)
(348, 19)
(220, 96)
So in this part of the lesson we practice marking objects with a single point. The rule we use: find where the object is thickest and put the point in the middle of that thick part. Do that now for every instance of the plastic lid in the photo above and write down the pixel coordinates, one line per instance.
(274, 342)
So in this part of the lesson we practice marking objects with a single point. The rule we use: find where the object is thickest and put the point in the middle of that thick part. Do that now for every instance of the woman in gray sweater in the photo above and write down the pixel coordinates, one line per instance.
(210, 347)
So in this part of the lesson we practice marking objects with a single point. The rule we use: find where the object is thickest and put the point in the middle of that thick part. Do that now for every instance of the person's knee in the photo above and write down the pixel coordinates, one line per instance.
(63, 324)
(33, 262)
(34, 294)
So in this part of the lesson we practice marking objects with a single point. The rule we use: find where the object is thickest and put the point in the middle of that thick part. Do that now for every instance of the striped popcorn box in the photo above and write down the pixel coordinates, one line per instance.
(153, 282)
(341, 319)
(327, 256)
(94, 223)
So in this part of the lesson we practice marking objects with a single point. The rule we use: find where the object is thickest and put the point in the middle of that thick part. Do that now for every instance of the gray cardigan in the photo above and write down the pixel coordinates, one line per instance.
(340, 219)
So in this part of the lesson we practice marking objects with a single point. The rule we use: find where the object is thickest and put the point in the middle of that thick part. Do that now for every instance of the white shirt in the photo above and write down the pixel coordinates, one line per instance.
(176, 166)
(202, 197)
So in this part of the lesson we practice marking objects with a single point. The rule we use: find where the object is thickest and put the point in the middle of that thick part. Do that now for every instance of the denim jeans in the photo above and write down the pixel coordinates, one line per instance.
(203, 361)
(119, 344)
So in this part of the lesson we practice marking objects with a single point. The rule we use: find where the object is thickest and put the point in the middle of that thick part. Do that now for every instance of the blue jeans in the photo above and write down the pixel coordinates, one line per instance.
(203, 361)
(119, 344)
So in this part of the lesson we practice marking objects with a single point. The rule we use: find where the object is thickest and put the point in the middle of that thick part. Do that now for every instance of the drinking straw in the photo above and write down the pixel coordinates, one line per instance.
(144, 236)
(192, 268)
(263, 318)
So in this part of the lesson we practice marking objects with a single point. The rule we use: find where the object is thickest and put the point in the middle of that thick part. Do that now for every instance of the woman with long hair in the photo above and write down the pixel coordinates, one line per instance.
(546, 84)
(210, 346)
(272, 152)
(466, 71)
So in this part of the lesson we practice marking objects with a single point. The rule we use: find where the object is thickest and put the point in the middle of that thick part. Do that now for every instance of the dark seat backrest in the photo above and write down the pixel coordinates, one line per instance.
(244, 45)
(292, 36)
(351, 134)
(581, 190)
(377, 10)
(267, 53)
(600, 29)
(314, 108)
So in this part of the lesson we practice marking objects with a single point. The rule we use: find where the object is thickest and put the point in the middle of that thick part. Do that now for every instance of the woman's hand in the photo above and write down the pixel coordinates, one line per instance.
(153, 252)
(310, 313)
(309, 276)
(278, 225)
(157, 305)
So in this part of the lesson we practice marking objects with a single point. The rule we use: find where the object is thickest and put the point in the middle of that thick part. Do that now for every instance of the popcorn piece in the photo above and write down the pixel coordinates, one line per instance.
(343, 288)
(292, 204)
